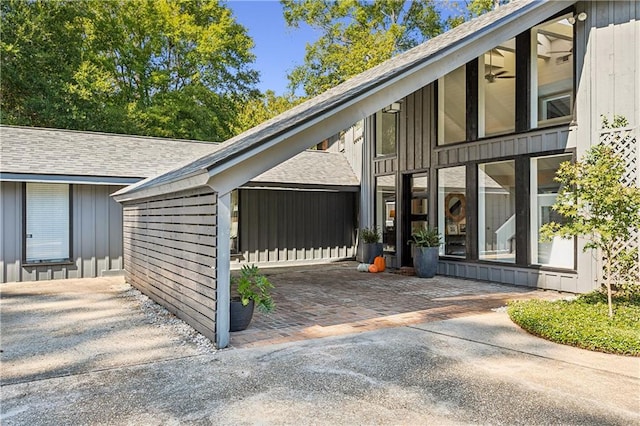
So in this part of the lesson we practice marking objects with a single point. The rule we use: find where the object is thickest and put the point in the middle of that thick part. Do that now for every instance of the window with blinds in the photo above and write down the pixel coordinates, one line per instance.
(47, 222)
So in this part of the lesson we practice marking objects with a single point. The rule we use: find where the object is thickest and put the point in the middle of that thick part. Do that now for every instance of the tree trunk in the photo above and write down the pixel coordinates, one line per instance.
(608, 283)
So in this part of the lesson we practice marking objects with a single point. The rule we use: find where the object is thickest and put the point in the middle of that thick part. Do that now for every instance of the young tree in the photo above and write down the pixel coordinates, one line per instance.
(356, 35)
(596, 204)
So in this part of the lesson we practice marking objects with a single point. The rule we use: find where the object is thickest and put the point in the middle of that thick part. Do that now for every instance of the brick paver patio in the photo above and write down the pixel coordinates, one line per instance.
(326, 300)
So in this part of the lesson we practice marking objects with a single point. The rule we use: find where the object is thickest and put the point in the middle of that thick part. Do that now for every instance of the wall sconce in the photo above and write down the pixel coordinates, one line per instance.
(393, 108)
(581, 17)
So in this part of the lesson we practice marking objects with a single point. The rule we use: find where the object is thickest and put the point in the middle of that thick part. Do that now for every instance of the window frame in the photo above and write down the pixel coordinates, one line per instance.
(524, 82)
(523, 204)
(378, 132)
(46, 262)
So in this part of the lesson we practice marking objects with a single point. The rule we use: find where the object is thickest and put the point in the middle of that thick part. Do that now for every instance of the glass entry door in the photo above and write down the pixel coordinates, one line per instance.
(416, 208)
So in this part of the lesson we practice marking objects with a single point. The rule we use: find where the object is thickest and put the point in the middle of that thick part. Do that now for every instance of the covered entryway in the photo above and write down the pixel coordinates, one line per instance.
(329, 300)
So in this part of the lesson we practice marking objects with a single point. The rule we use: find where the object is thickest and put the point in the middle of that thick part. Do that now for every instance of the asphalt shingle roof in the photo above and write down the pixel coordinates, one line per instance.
(25, 150)
(434, 49)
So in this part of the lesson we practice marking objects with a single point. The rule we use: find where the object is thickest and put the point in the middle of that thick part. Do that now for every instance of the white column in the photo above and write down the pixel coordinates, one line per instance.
(223, 264)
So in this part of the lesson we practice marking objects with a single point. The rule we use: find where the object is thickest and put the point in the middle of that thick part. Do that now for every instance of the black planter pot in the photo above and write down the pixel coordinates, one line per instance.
(368, 251)
(239, 315)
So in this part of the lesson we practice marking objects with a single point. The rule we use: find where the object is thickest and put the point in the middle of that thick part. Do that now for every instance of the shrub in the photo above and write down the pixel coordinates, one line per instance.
(370, 235)
(583, 322)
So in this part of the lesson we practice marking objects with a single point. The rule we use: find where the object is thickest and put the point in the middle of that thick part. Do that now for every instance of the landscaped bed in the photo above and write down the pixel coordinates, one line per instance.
(583, 322)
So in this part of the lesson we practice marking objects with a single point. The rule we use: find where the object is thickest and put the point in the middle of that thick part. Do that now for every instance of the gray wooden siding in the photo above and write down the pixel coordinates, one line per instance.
(550, 280)
(536, 141)
(97, 235)
(286, 226)
(170, 252)
(417, 114)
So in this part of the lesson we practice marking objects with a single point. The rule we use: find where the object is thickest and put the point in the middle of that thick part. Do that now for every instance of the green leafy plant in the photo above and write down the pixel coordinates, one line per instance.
(370, 235)
(426, 237)
(595, 204)
(253, 285)
(583, 322)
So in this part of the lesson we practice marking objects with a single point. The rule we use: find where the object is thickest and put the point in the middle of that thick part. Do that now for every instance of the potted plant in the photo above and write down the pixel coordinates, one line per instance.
(427, 241)
(370, 245)
(252, 289)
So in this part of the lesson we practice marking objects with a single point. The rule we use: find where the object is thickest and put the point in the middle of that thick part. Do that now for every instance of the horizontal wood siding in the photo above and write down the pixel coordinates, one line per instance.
(97, 235)
(286, 226)
(170, 254)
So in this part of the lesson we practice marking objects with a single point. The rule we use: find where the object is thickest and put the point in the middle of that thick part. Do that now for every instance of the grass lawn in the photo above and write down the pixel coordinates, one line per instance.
(583, 322)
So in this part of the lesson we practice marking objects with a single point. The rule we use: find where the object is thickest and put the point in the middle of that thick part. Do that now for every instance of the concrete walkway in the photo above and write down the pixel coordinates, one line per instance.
(86, 353)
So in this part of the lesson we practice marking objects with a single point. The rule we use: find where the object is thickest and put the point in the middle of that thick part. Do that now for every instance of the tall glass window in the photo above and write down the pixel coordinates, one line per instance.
(386, 133)
(452, 210)
(496, 211)
(386, 210)
(553, 89)
(558, 252)
(452, 107)
(497, 90)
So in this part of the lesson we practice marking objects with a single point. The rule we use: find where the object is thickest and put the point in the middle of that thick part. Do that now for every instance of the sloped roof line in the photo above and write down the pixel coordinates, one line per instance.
(366, 83)
(93, 157)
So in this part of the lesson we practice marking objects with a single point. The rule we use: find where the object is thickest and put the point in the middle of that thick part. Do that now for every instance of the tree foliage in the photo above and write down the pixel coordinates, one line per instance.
(355, 36)
(594, 203)
(261, 108)
(155, 67)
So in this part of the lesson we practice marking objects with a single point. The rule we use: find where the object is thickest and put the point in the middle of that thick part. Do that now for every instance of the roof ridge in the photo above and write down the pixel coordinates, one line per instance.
(107, 134)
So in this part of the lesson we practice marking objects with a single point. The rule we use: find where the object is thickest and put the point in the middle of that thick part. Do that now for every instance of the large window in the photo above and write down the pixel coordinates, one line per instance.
(386, 133)
(452, 211)
(496, 211)
(553, 71)
(497, 90)
(386, 210)
(470, 108)
(48, 223)
(452, 113)
(544, 189)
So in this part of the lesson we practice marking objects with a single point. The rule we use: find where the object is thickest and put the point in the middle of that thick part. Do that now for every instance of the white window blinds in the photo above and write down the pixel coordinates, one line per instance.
(47, 233)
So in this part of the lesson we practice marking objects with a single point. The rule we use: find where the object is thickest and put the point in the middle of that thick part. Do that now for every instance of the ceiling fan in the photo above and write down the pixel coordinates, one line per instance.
(562, 52)
(491, 76)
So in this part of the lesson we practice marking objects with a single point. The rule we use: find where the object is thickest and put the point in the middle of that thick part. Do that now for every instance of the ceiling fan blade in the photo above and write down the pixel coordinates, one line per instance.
(499, 73)
(506, 76)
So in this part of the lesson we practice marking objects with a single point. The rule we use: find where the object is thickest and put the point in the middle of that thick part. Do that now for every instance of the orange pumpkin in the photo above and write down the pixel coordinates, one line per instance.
(373, 268)
(379, 262)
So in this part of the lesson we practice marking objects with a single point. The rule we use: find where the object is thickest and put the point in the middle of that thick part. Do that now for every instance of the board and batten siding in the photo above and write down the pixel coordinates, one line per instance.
(289, 225)
(96, 241)
(170, 254)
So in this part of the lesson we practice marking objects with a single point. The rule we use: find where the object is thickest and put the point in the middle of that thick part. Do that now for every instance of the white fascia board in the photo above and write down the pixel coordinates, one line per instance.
(79, 180)
(195, 180)
(238, 171)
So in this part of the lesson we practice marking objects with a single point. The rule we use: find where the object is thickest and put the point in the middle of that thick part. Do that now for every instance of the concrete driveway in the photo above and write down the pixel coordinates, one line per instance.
(92, 352)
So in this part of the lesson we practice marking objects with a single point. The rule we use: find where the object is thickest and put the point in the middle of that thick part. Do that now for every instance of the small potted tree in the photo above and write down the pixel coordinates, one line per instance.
(252, 289)
(426, 243)
(370, 245)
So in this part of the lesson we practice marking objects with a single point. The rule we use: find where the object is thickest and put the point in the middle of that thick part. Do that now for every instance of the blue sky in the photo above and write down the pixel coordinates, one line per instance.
(278, 48)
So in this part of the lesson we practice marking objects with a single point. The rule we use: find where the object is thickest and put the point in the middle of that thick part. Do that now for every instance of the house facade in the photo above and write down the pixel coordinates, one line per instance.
(464, 132)
(58, 220)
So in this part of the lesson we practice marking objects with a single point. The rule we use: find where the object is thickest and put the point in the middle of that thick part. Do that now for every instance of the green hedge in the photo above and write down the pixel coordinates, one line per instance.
(583, 322)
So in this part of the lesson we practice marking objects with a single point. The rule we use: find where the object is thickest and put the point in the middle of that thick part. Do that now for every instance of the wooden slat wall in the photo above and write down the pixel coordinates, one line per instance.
(170, 254)
(97, 235)
(285, 226)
